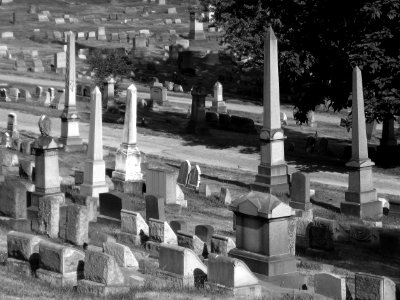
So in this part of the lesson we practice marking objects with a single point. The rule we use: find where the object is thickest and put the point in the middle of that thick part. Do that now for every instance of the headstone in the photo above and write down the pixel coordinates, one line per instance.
(272, 174)
(232, 275)
(330, 285)
(194, 178)
(122, 254)
(320, 234)
(178, 225)
(22, 246)
(196, 31)
(102, 268)
(198, 106)
(101, 34)
(204, 232)
(218, 105)
(154, 208)
(20, 65)
(221, 244)
(49, 215)
(77, 225)
(368, 286)
(178, 21)
(161, 232)
(13, 197)
(7, 35)
(38, 66)
(190, 241)
(161, 183)
(60, 60)
(300, 191)
(158, 94)
(225, 196)
(184, 171)
(172, 10)
(262, 217)
(59, 21)
(133, 222)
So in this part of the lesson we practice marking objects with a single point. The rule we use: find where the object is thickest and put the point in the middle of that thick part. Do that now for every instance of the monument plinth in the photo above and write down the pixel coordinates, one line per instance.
(70, 136)
(262, 240)
(218, 104)
(128, 177)
(361, 198)
(272, 174)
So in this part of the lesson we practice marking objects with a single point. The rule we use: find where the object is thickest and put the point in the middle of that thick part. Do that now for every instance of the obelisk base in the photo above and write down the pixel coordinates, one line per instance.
(272, 179)
(266, 265)
(134, 187)
(371, 210)
(94, 179)
(70, 136)
(219, 107)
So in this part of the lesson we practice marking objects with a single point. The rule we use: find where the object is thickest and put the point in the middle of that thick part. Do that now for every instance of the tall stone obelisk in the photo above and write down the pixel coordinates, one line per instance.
(361, 197)
(94, 180)
(128, 177)
(69, 118)
(272, 174)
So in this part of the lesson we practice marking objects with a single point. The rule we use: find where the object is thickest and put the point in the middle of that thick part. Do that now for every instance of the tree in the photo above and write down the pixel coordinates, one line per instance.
(115, 63)
(320, 42)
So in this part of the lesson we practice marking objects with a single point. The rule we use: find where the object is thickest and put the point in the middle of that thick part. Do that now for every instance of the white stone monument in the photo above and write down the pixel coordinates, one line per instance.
(94, 180)
(218, 104)
(272, 174)
(128, 177)
(361, 199)
(69, 118)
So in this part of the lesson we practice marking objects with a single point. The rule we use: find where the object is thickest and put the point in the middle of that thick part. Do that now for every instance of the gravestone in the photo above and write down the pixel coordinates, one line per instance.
(300, 191)
(218, 103)
(77, 225)
(158, 94)
(196, 31)
(194, 178)
(178, 225)
(49, 215)
(204, 232)
(172, 10)
(221, 244)
(101, 34)
(225, 196)
(122, 254)
(112, 202)
(20, 65)
(368, 286)
(198, 115)
(190, 241)
(161, 183)
(60, 60)
(320, 234)
(161, 232)
(330, 285)
(155, 208)
(262, 234)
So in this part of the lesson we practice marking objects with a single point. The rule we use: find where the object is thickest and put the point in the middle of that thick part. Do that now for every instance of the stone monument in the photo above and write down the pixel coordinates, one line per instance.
(108, 97)
(69, 118)
(262, 240)
(47, 177)
(94, 180)
(218, 103)
(198, 115)
(361, 199)
(196, 31)
(128, 177)
(272, 174)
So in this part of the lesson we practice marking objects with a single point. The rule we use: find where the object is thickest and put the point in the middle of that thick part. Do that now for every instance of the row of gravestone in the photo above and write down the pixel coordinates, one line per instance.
(47, 99)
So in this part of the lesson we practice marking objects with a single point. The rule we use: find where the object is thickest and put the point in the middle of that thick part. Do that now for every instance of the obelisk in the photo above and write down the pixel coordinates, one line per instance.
(94, 180)
(361, 198)
(69, 118)
(272, 174)
(128, 177)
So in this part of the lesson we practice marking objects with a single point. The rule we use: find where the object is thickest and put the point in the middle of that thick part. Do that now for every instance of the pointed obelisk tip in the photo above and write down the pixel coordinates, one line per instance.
(270, 34)
(132, 88)
(96, 90)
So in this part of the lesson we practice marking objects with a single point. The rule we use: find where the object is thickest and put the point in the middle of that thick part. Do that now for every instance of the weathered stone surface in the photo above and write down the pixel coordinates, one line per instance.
(26, 168)
(177, 225)
(155, 208)
(22, 245)
(190, 241)
(14, 197)
(221, 244)
(194, 178)
(161, 232)
(300, 191)
(321, 234)
(330, 285)
(122, 254)
(49, 215)
(133, 222)
(204, 232)
(184, 170)
(102, 268)
(77, 225)
(59, 258)
(225, 196)
(368, 287)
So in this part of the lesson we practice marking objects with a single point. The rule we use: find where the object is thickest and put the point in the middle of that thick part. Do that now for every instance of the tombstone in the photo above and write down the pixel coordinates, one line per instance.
(101, 34)
(204, 232)
(57, 35)
(59, 21)
(178, 225)
(38, 92)
(25, 95)
(139, 42)
(45, 149)
(123, 37)
(172, 10)
(272, 174)
(225, 196)
(77, 225)
(262, 234)
(59, 101)
(60, 60)
(12, 126)
(13, 197)
(20, 65)
(320, 234)
(22, 246)
(155, 208)
(233, 276)
(14, 94)
(177, 21)
(122, 254)
(300, 191)
(38, 66)
(127, 174)
(7, 35)
(161, 232)
(194, 178)
(190, 241)
(361, 198)
(368, 286)
(94, 181)
(32, 9)
(330, 285)
(311, 119)
(184, 171)
(112, 202)
(3, 50)
(181, 264)
(198, 115)
(218, 105)
(109, 89)
(133, 223)
(221, 244)
(196, 31)
(4, 95)
(49, 215)
(158, 94)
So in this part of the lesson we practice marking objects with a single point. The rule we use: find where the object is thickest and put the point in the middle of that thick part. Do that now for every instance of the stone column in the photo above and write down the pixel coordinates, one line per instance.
(69, 118)
(127, 176)
(361, 197)
(218, 105)
(94, 180)
(47, 176)
(196, 31)
(272, 174)
(108, 97)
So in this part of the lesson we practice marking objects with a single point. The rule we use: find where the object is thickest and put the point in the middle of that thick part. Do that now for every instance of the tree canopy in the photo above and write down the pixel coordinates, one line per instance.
(320, 41)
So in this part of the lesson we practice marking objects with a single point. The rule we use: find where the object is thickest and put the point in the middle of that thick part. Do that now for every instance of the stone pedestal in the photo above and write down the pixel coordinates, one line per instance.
(272, 174)
(262, 240)
(196, 30)
(219, 107)
(198, 111)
